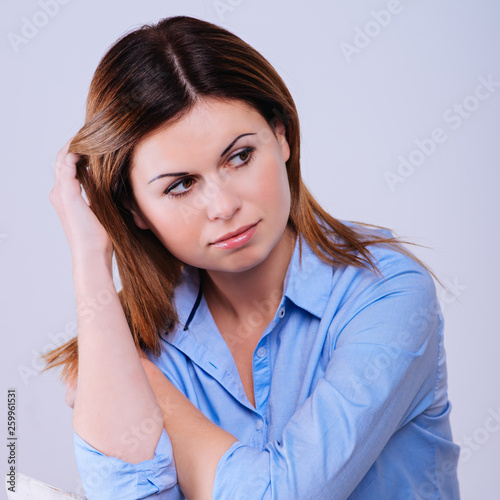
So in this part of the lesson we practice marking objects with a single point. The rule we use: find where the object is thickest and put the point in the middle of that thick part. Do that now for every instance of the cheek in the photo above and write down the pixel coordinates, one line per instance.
(180, 228)
(183, 243)
(272, 186)
(169, 226)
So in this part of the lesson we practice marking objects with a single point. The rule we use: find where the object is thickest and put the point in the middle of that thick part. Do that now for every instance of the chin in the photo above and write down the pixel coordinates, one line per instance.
(241, 261)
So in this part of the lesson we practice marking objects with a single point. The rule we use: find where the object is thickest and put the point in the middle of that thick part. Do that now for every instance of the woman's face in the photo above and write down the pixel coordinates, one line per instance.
(213, 186)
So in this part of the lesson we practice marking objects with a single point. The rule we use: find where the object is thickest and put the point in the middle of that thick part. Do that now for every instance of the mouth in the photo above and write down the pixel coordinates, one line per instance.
(233, 234)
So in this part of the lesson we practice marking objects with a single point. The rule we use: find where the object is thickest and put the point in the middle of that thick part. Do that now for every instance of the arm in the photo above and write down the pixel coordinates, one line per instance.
(113, 395)
(381, 375)
(198, 444)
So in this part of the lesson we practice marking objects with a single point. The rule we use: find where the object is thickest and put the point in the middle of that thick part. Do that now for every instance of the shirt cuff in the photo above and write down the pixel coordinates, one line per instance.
(109, 478)
(243, 472)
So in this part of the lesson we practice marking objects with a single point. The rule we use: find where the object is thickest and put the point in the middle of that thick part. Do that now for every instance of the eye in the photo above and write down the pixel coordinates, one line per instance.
(183, 186)
(246, 156)
(180, 187)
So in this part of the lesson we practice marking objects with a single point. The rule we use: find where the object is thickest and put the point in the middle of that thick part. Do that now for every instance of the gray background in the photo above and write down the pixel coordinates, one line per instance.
(358, 115)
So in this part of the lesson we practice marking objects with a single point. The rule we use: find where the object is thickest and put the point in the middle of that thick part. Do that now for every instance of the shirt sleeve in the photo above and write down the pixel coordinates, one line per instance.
(381, 374)
(109, 478)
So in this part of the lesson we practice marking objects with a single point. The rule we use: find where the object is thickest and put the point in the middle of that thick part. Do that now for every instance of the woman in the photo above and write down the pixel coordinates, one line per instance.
(259, 348)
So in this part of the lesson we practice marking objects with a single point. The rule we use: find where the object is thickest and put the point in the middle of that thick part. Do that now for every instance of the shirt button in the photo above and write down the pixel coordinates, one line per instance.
(281, 312)
(258, 426)
(261, 352)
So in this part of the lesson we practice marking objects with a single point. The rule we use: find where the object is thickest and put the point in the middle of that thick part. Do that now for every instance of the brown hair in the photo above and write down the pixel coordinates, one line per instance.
(152, 77)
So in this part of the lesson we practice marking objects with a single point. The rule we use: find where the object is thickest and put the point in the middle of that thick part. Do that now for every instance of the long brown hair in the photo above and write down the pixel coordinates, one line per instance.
(152, 77)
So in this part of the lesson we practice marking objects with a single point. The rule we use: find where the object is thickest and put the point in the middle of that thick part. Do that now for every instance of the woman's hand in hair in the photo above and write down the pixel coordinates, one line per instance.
(86, 236)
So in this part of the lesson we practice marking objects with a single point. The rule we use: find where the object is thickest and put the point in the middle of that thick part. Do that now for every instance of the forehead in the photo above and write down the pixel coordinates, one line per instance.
(206, 129)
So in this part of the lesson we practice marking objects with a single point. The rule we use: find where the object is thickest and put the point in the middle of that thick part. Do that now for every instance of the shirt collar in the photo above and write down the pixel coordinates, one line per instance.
(308, 284)
(188, 295)
(308, 281)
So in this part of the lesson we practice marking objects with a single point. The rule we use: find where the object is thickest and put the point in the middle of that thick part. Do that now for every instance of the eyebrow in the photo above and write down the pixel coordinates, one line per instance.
(231, 145)
(173, 174)
(178, 174)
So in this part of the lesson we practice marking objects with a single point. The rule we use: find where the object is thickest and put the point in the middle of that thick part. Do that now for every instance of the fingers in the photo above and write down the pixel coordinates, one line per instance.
(84, 232)
(66, 182)
(66, 161)
(64, 151)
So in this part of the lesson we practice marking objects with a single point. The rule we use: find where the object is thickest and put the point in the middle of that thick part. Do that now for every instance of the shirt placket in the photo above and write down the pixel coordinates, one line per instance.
(262, 372)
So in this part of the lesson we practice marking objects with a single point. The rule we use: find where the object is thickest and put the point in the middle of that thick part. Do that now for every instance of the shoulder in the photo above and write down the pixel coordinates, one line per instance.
(393, 260)
(397, 272)
(402, 295)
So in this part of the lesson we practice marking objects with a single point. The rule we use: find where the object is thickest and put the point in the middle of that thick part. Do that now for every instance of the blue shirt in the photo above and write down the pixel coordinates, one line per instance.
(350, 391)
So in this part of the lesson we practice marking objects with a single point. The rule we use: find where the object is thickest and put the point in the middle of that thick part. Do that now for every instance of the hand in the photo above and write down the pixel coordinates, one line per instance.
(85, 234)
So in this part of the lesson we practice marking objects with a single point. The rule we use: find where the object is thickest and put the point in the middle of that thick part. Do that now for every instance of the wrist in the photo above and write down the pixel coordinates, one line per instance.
(92, 272)
(89, 261)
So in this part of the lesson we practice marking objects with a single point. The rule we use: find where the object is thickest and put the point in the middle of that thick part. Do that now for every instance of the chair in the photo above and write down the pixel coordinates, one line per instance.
(28, 488)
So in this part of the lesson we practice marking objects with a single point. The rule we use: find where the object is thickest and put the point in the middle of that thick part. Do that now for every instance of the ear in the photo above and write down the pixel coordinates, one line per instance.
(280, 132)
(139, 219)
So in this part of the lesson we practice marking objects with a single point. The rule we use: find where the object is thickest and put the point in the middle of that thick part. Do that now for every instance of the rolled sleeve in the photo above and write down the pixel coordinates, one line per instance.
(242, 461)
(381, 374)
(109, 478)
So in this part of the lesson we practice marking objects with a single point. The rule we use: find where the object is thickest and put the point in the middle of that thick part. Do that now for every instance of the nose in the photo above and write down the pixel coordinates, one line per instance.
(222, 201)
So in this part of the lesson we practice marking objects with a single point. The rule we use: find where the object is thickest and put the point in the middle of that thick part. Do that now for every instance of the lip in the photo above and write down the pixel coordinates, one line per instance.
(236, 238)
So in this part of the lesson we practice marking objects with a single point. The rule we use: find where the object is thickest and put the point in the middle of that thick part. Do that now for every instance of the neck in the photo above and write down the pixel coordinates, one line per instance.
(258, 290)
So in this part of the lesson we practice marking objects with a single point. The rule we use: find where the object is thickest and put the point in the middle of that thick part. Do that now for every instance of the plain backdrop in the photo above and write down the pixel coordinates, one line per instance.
(373, 91)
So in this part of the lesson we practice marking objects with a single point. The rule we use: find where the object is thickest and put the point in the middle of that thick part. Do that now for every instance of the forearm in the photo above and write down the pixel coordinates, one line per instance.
(198, 444)
(114, 397)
